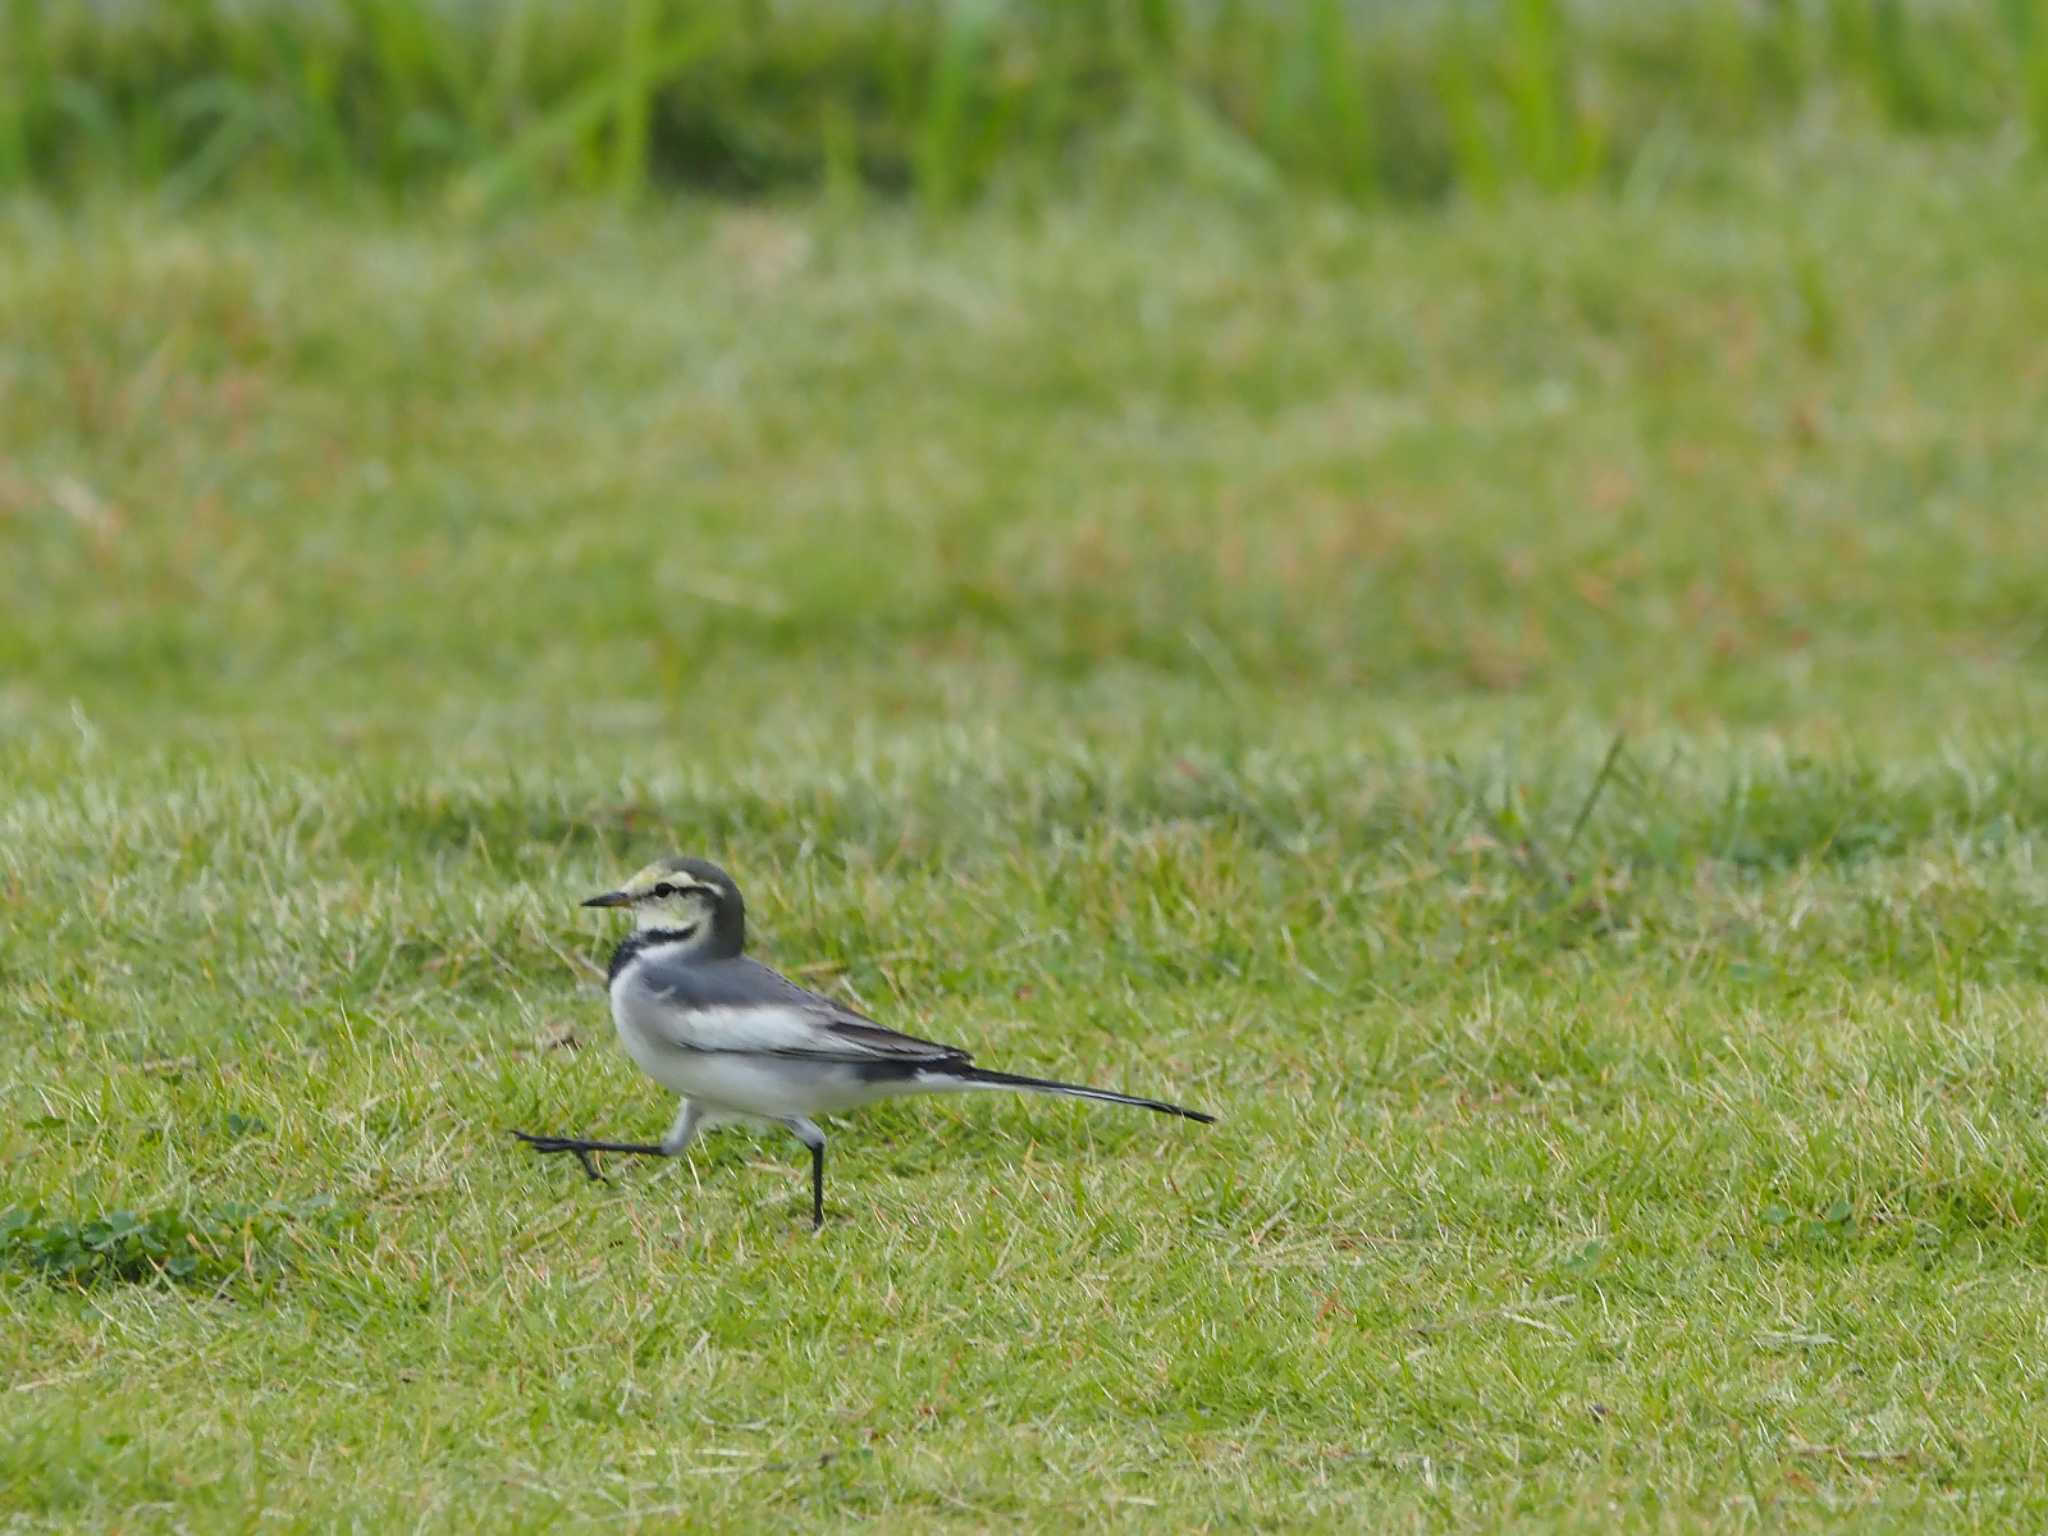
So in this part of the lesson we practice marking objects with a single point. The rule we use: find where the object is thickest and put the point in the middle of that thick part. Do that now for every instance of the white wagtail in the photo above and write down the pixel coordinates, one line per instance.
(740, 1042)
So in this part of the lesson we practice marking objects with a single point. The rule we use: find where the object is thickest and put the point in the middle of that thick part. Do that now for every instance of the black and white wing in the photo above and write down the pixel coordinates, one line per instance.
(742, 1006)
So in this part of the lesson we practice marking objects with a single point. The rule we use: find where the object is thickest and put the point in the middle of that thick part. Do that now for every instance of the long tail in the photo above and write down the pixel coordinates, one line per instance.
(983, 1077)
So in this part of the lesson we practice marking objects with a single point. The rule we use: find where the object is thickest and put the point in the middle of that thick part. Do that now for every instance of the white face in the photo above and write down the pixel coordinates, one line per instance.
(661, 898)
(687, 909)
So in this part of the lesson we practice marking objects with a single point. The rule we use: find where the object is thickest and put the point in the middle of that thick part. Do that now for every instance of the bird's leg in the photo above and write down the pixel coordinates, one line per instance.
(683, 1130)
(679, 1136)
(583, 1148)
(813, 1138)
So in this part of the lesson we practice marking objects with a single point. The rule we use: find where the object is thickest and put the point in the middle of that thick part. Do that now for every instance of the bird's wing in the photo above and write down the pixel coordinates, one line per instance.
(740, 1005)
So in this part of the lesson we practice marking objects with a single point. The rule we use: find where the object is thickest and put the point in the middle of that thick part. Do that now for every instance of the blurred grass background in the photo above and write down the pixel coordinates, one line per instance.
(1359, 99)
(1464, 584)
(1759, 455)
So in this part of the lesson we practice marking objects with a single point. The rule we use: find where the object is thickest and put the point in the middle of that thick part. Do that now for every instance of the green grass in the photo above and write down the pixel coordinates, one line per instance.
(482, 101)
(1171, 645)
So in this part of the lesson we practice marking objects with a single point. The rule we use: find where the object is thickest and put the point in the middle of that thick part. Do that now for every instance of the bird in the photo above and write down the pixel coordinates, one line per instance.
(741, 1042)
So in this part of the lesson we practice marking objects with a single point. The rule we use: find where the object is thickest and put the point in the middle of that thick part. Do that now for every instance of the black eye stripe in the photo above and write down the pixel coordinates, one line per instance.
(666, 889)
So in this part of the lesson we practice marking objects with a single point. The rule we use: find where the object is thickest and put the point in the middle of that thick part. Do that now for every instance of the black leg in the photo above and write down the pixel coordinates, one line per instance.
(583, 1149)
(813, 1138)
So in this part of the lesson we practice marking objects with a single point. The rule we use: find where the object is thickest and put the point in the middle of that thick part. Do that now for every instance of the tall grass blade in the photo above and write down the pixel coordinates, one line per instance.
(1343, 127)
(2026, 23)
(636, 99)
(505, 80)
(942, 147)
(236, 115)
(24, 93)
(1476, 162)
(578, 120)
(1895, 72)
(1536, 89)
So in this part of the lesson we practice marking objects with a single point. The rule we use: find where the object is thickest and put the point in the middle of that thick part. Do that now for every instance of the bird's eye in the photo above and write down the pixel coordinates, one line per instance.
(663, 891)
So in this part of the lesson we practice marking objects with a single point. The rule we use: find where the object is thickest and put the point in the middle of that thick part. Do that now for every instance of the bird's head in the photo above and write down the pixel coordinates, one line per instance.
(691, 902)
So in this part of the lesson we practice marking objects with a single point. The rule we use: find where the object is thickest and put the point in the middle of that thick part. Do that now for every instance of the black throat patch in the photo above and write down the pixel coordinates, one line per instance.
(637, 940)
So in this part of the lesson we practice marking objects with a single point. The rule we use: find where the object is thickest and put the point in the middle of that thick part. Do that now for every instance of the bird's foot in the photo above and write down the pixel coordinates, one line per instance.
(582, 1149)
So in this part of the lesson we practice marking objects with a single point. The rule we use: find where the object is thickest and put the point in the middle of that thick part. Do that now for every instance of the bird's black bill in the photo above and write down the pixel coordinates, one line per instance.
(609, 899)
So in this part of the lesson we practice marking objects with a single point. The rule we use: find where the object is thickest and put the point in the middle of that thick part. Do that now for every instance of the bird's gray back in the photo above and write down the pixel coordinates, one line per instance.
(743, 983)
(734, 983)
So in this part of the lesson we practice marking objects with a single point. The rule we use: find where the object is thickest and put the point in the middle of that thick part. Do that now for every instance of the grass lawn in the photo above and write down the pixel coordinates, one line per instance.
(1532, 713)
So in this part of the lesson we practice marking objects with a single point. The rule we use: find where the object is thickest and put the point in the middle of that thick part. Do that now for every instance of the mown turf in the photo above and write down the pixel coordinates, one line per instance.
(1532, 715)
